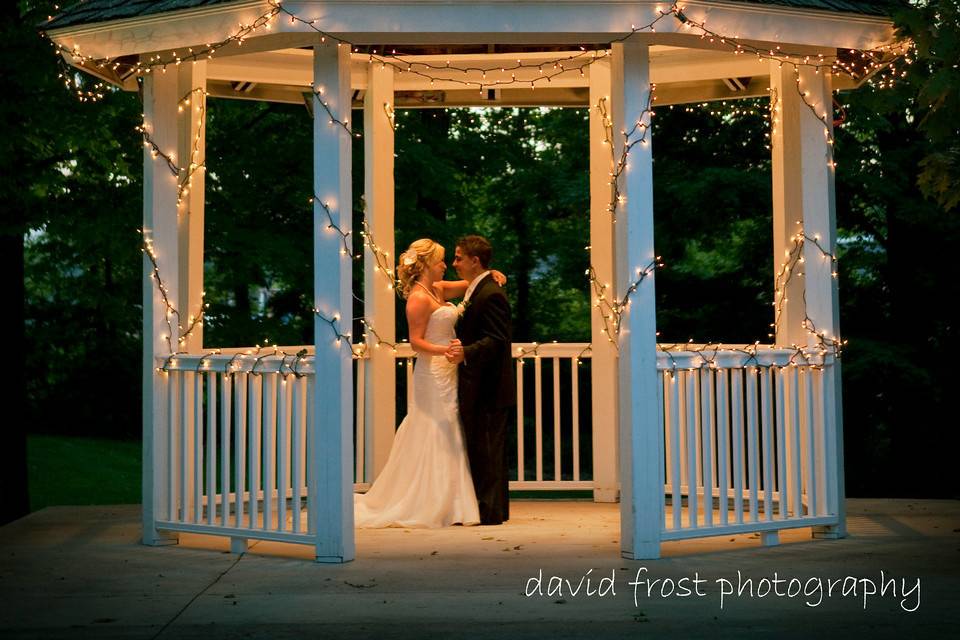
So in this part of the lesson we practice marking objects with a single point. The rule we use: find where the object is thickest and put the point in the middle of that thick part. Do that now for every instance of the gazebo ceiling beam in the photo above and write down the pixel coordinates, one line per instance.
(363, 22)
(681, 75)
(670, 94)
(668, 64)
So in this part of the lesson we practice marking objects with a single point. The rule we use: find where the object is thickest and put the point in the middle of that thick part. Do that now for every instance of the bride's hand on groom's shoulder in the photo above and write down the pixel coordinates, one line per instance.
(498, 277)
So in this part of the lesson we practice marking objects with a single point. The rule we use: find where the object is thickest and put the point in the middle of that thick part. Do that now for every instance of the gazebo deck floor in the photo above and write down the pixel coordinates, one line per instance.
(81, 572)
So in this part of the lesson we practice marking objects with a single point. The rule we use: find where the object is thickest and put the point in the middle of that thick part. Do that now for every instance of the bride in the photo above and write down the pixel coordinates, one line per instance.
(426, 481)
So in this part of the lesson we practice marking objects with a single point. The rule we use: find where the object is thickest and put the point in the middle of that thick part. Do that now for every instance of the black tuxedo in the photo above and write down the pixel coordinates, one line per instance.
(487, 391)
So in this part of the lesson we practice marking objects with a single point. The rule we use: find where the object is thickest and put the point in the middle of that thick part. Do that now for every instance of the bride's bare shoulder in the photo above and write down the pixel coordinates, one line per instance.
(419, 303)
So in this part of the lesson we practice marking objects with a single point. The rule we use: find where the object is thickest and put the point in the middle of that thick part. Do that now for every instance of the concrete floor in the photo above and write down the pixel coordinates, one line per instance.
(79, 572)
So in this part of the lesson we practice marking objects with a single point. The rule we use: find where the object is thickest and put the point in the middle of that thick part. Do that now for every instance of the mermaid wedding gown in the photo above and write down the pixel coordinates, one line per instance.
(426, 481)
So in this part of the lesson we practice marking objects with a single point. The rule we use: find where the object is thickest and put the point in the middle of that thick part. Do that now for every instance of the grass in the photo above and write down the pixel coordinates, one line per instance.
(72, 470)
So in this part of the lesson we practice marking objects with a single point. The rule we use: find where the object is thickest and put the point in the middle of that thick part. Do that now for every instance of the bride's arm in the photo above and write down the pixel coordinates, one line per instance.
(418, 315)
(451, 289)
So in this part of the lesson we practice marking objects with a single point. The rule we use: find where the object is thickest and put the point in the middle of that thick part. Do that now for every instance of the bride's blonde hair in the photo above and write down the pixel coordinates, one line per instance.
(415, 260)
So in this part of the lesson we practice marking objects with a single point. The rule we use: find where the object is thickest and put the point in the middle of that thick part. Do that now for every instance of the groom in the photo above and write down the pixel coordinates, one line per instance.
(487, 389)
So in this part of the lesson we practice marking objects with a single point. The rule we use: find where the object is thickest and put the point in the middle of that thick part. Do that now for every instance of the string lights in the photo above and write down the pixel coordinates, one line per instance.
(381, 258)
(332, 225)
(334, 322)
(170, 311)
(856, 64)
(345, 124)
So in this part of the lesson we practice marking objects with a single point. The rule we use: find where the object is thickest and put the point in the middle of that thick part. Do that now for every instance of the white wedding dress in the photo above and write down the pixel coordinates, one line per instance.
(426, 481)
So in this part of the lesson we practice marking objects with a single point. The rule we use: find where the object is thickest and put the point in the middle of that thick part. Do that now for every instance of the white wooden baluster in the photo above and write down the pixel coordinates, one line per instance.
(808, 431)
(767, 423)
(682, 443)
(575, 411)
(557, 468)
(778, 380)
(255, 420)
(211, 447)
(360, 435)
(240, 445)
(298, 426)
(819, 427)
(520, 470)
(723, 451)
(691, 432)
(173, 422)
(736, 400)
(672, 379)
(186, 446)
(283, 451)
(795, 466)
(695, 416)
(197, 447)
(706, 437)
(538, 406)
(753, 453)
(225, 453)
(833, 446)
(269, 447)
(310, 449)
(668, 442)
(662, 413)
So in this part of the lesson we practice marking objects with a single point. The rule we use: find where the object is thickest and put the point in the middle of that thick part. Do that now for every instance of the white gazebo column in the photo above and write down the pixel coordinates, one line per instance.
(603, 351)
(641, 431)
(804, 200)
(330, 437)
(161, 236)
(379, 295)
(191, 157)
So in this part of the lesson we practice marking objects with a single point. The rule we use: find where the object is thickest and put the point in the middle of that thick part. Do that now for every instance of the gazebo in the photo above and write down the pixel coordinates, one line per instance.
(693, 440)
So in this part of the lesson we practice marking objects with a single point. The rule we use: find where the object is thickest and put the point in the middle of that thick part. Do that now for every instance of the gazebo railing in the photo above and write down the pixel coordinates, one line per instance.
(238, 439)
(551, 421)
(746, 438)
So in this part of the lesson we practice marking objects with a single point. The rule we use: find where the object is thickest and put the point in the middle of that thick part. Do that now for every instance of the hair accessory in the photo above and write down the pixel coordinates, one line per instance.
(408, 259)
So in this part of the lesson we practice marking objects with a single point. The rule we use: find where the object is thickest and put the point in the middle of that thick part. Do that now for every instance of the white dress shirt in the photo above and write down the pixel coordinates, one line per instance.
(473, 285)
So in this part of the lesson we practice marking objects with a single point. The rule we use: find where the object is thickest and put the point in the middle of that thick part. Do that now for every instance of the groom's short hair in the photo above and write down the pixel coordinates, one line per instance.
(478, 247)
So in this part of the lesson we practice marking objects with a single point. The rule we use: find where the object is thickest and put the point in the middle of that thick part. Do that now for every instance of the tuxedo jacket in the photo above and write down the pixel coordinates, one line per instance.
(486, 377)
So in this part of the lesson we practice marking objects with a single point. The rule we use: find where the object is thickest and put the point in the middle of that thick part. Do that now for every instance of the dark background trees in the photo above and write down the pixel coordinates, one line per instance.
(71, 193)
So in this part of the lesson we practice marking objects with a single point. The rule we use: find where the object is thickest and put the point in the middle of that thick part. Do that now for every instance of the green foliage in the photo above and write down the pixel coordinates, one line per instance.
(519, 177)
(258, 272)
(71, 185)
(69, 470)
(713, 222)
(932, 82)
(71, 188)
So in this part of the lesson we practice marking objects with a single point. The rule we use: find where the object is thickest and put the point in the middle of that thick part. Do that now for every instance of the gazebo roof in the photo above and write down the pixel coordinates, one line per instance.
(94, 11)
(464, 44)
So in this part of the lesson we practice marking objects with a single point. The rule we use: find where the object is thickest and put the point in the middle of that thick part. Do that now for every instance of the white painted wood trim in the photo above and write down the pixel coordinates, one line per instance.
(446, 21)
(191, 149)
(330, 467)
(641, 434)
(603, 370)
(380, 298)
(160, 227)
